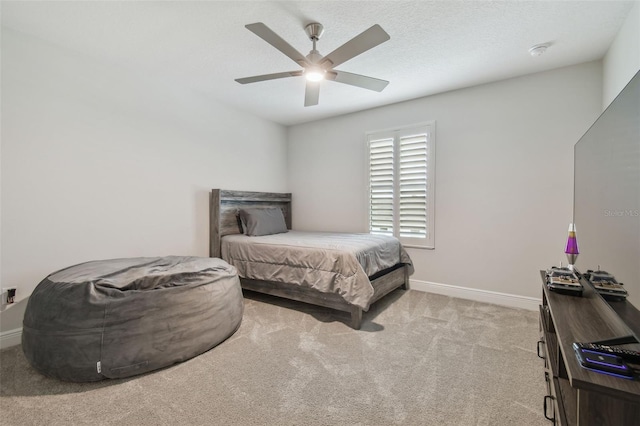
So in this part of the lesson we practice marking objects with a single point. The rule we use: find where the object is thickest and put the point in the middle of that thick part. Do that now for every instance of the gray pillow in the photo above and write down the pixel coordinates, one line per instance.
(263, 221)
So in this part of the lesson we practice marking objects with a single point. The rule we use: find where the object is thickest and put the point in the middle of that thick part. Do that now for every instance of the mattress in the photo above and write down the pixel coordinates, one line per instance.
(328, 262)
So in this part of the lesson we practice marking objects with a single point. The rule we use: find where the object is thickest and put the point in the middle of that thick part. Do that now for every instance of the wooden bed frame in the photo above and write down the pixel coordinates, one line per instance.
(224, 220)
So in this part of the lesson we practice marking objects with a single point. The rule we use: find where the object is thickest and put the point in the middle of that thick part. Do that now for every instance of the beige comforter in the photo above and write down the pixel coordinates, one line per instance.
(328, 262)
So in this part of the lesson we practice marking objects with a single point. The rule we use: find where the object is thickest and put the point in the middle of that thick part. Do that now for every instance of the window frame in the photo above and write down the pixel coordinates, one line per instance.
(428, 128)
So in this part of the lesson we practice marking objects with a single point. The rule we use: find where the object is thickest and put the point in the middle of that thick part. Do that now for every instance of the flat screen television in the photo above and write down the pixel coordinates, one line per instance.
(606, 207)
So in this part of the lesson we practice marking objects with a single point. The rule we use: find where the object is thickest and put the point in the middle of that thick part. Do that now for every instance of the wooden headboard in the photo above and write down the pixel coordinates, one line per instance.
(224, 208)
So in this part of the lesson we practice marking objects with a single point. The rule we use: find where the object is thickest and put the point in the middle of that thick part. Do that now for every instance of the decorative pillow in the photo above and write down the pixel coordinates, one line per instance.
(263, 221)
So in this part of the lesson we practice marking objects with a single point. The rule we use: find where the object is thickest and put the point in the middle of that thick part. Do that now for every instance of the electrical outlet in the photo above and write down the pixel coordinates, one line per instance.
(8, 295)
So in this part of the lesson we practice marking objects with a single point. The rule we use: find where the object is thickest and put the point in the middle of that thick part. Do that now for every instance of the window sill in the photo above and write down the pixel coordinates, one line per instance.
(413, 246)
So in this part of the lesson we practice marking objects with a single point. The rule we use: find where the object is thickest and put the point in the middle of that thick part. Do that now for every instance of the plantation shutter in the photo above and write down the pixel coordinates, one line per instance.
(401, 184)
(381, 182)
(413, 186)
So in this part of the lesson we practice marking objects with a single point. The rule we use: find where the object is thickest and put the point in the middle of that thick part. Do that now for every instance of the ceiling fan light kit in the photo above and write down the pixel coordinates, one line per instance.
(314, 74)
(317, 67)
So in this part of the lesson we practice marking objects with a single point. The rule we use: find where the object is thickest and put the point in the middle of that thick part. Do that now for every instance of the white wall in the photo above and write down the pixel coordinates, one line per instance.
(622, 60)
(504, 173)
(100, 163)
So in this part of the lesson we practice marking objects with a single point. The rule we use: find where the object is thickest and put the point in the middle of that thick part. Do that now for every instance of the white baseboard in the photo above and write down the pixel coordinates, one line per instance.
(10, 338)
(486, 296)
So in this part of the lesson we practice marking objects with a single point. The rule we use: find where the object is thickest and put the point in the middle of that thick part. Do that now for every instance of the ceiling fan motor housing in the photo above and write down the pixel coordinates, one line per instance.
(314, 30)
(314, 56)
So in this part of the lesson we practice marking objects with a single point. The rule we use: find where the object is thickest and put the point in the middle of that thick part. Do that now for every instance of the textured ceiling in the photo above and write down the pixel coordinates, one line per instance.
(435, 46)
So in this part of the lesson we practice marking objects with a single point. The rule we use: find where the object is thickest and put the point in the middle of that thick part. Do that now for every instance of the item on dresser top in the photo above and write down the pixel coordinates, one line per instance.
(603, 359)
(628, 355)
(571, 249)
(606, 284)
(563, 280)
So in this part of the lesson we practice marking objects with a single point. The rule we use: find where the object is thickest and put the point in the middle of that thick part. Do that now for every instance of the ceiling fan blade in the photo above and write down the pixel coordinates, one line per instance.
(264, 77)
(312, 93)
(361, 43)
(357, 80)
(265, 33)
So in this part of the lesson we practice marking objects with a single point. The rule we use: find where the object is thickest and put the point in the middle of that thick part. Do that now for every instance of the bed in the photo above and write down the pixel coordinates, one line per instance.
(352, 290)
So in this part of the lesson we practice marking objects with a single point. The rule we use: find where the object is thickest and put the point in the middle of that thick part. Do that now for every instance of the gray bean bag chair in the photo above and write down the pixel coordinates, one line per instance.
(121, 317)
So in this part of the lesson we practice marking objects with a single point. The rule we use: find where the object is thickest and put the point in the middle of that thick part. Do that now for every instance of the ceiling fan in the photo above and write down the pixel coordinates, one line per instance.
(317, 67)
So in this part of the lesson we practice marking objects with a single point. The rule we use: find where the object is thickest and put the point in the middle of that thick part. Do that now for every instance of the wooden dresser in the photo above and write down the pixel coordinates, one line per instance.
(577, 396)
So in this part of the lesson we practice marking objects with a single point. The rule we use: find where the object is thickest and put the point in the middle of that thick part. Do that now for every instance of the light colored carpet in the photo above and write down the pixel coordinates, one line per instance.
(420, 359)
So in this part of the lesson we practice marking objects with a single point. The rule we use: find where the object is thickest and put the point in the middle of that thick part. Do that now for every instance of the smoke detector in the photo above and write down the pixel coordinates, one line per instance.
(538, 49)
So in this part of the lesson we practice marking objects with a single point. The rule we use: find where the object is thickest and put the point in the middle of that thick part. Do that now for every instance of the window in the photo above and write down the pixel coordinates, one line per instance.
(401, 184)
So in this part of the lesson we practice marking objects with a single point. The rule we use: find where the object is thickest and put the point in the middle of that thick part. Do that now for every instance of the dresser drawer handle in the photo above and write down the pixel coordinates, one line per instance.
(538, 349)
(548, 398)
